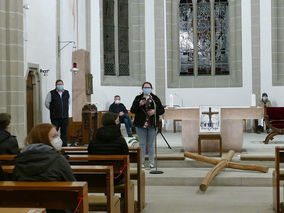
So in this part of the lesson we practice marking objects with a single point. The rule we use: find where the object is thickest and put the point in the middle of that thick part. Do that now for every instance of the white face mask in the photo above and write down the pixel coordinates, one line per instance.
(57, 143)
(117, 101)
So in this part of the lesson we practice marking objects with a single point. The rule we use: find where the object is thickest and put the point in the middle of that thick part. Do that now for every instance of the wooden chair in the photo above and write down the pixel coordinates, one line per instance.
(274, 119)
(135, 174)
(277, 176)
(118, 162)
(49, 195)
(175, 123)
(210, 137)
(97, 176)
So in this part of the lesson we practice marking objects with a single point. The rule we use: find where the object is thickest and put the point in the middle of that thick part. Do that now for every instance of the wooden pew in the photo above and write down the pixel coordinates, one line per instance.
(118, 162)
(21, 210)
(102, 177)
(277, 176)
(49, 195)
(135, 174)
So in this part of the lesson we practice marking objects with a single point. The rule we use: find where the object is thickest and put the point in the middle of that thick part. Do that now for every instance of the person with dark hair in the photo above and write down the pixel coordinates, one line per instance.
(260, 125)
(109, 140)
(57, 101)
(264, 102)
(40, 159)
(124, 117)
(8, 142)
(145, 107)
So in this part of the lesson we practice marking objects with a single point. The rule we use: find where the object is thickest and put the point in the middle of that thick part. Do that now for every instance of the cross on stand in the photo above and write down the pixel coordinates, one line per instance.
(221, 164)
(210, 113)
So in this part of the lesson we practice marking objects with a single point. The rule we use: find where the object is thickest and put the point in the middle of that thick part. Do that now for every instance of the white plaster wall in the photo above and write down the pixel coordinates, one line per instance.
(275, 93)
(240, 96)
(40, 44)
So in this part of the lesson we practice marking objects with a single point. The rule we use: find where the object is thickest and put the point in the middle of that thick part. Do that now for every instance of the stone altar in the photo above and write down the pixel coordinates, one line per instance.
(231, 126)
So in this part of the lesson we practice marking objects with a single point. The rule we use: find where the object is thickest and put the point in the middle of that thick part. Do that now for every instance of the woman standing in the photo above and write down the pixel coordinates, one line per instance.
(145, 107)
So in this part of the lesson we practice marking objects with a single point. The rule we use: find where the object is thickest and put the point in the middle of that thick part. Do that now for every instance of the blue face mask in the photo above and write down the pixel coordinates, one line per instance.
(59, 87)
(147, 91)
(264, 98)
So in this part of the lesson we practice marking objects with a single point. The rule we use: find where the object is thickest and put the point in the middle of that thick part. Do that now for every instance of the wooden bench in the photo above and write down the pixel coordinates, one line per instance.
(277, 176)
(22, 210)
(274, 119)
(102, 177)
(118, 162)
(49, 195)
(135, 174)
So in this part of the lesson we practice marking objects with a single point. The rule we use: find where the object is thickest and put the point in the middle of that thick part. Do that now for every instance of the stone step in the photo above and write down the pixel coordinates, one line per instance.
(194, 176)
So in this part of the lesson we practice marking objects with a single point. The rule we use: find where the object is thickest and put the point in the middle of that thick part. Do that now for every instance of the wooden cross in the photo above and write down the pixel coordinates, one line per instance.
(210, 113)
(221, 164)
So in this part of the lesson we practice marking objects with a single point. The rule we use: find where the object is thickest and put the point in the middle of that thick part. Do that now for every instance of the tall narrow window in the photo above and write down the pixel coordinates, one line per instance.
(116, 39)
(204, 42)
(221, 37)
(186, 37)
(109, 45)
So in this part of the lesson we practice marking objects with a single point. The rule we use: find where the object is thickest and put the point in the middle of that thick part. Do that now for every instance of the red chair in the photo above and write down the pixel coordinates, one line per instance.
(274, 119)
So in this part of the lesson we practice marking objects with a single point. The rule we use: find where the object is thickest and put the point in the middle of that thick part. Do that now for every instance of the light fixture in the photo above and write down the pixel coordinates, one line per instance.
(66, 43)
(74, 68)
(26, 6)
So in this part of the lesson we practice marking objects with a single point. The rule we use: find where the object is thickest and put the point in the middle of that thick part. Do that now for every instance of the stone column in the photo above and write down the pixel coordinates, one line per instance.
(12, 80)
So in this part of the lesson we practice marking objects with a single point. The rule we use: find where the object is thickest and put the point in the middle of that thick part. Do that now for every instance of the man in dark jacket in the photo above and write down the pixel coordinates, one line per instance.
(57, 101)
(124, 117)
(8, 143)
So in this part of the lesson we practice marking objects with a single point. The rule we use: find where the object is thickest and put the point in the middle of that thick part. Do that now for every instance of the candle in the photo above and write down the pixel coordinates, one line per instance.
(171, 100)
(253, 101)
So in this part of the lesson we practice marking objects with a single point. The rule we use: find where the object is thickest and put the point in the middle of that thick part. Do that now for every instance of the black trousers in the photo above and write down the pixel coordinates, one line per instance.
(62, 124)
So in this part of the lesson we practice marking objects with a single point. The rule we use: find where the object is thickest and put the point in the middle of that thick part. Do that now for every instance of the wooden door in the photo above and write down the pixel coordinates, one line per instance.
(30, 103)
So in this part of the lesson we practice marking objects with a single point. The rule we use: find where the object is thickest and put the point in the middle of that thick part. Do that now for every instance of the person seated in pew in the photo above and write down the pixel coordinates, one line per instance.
(40, 159)
(109, 140)
(8, 142)
(124, 117)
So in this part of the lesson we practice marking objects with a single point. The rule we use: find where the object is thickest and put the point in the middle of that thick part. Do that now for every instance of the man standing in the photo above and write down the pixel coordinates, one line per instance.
(57, 101)
(124, 117)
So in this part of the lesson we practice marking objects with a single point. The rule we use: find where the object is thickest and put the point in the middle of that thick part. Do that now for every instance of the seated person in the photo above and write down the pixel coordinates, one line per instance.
(40, 159)
(264, 102)
(8, 143)
(109, 140)
(124, 117)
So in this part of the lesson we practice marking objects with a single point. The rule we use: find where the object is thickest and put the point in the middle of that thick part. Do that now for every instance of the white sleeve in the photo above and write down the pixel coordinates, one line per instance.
(48, 100)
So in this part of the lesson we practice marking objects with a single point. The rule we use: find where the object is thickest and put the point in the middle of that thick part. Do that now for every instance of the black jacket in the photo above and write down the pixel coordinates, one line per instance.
(40, 162)
(140, 111)
(2, 176)
(8, 143)
(117, 108)
(59, 106)
(108, 141)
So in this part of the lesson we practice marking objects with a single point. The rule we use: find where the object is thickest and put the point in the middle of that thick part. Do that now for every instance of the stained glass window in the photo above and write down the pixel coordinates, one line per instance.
(198, 45)
(221, 37)
(116, 45)
(186, 37)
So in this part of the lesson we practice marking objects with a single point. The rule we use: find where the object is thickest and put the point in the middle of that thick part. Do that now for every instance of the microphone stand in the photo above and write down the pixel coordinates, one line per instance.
(156, 171)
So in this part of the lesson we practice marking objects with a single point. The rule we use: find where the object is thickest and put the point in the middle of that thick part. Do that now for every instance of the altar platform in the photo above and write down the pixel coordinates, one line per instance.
(231, 126)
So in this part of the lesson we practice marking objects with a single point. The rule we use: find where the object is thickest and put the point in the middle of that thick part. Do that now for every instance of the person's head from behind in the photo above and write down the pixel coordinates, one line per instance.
(117, 99)
(264, 97)
(5, 119)
(147, 88)
(110, 118)
(44, 133)
(59, 85)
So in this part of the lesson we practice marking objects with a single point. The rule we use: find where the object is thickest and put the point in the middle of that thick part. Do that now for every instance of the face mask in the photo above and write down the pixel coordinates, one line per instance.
(264, 98)
(59, 87)
(117, 101)
(147, 91)
(57, 143)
